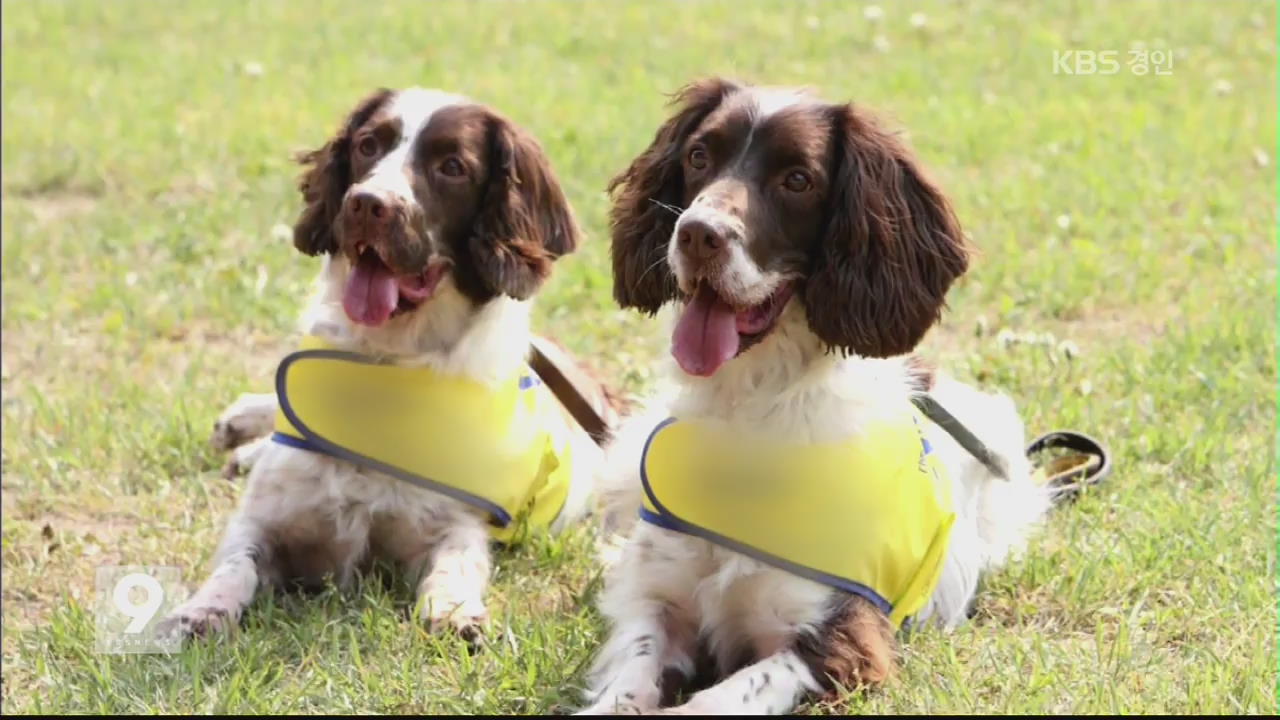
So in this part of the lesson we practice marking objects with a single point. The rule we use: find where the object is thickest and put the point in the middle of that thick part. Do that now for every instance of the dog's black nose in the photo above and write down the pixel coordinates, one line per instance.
(700, 241)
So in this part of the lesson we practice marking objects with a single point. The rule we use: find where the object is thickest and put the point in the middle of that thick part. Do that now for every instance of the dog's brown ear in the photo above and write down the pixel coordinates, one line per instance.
(647, 200)
(524, 221)
(325, 180)
(891, 246)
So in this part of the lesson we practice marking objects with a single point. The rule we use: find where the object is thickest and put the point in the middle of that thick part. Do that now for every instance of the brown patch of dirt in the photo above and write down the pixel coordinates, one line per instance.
(958, 334)
(54, 206)
(35, 358)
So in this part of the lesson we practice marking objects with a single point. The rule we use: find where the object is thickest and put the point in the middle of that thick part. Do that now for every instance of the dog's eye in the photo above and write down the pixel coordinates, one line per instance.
(452, 167)
(797, 181)
(368, 146)
(698, 158)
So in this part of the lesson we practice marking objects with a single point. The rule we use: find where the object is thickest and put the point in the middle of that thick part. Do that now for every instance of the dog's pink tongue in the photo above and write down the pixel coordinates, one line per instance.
(706, 335)
(372, 292)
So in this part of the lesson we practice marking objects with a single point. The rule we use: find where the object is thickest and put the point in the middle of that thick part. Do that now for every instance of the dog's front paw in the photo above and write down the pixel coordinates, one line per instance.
(197, 621)
(612, 708)
(626, 703)
(469, 620)
(251, 416)
(690, 708)
(241, 459)
(232, 469)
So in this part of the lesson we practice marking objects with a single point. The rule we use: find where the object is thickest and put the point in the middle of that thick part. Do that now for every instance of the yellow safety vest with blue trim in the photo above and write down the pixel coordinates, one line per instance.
(503, 450)
(870, 516)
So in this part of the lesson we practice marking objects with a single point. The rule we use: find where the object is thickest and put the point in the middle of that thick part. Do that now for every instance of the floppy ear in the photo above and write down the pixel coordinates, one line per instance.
(326, 178)
(524, 221)
(647, 200)
(891, 246)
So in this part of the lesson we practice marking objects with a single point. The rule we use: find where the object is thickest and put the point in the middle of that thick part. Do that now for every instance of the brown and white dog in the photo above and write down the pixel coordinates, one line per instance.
(438, 220)
(805, 254)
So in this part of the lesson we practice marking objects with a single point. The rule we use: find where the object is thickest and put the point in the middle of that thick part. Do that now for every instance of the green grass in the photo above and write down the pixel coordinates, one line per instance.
(146, 167)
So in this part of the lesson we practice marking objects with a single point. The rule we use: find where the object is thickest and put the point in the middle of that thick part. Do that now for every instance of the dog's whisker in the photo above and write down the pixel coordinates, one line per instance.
(653, 265)
(674, 210)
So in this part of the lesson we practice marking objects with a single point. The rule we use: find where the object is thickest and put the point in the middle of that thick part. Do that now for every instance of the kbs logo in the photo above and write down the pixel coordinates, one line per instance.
(1107, 62)
(1085, 62)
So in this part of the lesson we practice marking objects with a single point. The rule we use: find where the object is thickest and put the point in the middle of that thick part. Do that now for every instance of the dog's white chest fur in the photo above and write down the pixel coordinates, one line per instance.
(736, 603)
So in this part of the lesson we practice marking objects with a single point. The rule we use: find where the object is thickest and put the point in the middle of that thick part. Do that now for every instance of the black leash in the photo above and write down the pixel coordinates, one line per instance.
(1066, 475)
(994, 461)
(568, 393)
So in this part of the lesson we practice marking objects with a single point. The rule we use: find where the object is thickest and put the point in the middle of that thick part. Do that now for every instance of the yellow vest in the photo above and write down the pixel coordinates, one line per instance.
(503, 450)
(870, 516)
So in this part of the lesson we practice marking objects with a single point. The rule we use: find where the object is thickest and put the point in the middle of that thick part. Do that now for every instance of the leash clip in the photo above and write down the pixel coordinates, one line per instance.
(1067, 475)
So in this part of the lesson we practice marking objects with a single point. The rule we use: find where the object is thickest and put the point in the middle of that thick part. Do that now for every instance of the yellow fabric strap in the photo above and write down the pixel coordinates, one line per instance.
(504, 450)
(871, 516)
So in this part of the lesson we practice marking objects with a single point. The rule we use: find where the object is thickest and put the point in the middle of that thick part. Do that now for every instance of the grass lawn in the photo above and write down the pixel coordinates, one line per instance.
(1126, 287)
